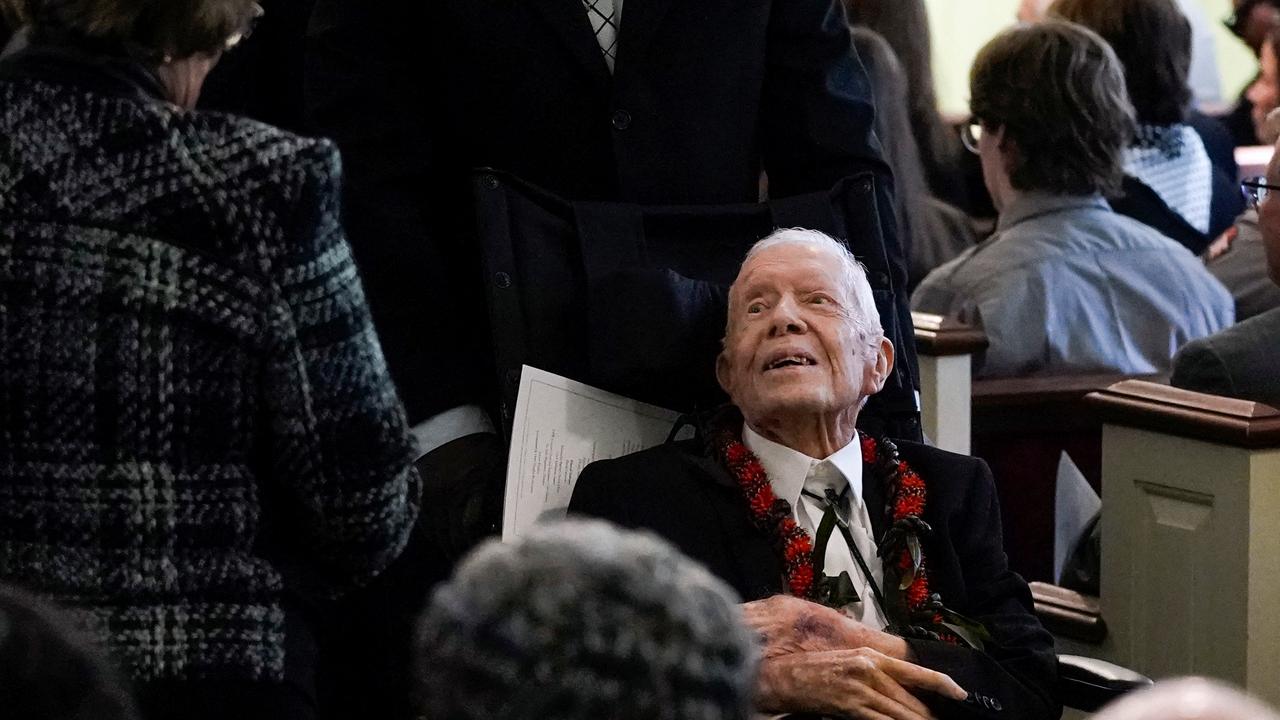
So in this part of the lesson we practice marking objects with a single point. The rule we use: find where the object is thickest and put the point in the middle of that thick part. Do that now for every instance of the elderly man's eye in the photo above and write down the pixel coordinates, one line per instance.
(820, 300)
(755, 308)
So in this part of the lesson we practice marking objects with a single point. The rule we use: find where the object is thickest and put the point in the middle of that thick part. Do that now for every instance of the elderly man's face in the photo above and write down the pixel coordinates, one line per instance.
(1269, 221)
(792, 344)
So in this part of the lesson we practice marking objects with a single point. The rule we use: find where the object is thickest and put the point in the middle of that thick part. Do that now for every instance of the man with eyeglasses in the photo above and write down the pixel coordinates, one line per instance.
(1240, 361)
(1066, 285)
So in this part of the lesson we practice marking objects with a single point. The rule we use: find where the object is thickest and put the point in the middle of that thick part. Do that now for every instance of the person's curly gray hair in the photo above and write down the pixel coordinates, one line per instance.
(581, 620)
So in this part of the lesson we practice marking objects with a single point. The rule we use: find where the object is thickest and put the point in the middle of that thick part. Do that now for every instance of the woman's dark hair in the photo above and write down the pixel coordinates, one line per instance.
(893, 127)
(47, 671)
(1152, 38)
(904, 24)
(1058, 91)
(152, 28)
(11, 15)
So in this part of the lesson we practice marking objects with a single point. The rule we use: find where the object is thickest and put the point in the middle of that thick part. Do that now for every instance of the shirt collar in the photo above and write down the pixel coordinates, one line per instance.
(787, 468)
(1028, 205)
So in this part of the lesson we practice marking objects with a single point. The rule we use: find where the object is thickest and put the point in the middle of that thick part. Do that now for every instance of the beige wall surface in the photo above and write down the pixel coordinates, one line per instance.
(962, 27)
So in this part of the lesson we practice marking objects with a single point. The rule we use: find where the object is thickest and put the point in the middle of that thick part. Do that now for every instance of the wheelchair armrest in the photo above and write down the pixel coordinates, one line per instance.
(1088, 683)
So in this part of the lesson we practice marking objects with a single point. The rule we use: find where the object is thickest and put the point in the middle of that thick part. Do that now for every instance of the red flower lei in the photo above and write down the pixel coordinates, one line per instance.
(772, 514)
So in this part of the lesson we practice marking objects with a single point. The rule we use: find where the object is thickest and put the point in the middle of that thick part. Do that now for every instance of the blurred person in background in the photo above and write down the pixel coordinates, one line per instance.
(1239, 258)
(48, 671)
(579, 620)
(1240, 361)
(1171, 184)
(1264, 92)
(1066, 285)
(1187, 699)
(201, 436)
(932, 232)
(905, 25)
(1252, 22)
(1032, 10)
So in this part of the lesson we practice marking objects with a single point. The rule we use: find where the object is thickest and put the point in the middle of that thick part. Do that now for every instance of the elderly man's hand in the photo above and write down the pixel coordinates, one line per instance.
(862, 683)
(788, 625)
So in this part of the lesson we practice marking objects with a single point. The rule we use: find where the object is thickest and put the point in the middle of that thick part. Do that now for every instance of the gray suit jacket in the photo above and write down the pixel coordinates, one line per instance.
(1237, 362)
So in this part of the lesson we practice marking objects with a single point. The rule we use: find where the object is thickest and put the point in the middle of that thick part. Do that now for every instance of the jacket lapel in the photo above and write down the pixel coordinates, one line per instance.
(750, 552)
(568, 18)
(873, 494)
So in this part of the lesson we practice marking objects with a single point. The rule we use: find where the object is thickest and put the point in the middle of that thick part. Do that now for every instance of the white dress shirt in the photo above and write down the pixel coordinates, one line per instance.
(791, 472)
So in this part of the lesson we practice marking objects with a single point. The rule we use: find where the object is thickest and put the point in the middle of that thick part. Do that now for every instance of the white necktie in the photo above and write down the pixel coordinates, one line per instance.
(604, 21)
(838, 558)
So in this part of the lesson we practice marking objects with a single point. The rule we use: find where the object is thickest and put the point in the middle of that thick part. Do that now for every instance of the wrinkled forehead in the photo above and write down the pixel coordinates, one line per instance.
(792, 266)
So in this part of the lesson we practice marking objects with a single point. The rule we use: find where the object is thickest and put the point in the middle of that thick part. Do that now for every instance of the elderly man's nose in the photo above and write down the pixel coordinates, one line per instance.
(787, 318)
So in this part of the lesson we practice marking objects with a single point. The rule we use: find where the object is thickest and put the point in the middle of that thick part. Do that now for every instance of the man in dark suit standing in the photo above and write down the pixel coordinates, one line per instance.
(651, 101)
(1240, 361)
(898, 590)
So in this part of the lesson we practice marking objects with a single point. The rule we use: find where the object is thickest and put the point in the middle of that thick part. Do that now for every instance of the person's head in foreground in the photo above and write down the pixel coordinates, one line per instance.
(803, 346)
(1050, 111)
(48, 672)
(179, 41)
(1187, 699)
(580, 619)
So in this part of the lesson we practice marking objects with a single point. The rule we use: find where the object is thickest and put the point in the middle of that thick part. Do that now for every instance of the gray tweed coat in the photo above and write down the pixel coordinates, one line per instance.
(194, 409)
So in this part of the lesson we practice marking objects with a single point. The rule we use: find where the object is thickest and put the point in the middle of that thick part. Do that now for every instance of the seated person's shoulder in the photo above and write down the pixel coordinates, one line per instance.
(1233, 363)
(235, 142)
(653, 467)
(646, 488)
(938, 466)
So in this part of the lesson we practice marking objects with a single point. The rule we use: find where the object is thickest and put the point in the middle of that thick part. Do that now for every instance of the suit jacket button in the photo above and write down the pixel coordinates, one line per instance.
(621, 120)
(995, 705)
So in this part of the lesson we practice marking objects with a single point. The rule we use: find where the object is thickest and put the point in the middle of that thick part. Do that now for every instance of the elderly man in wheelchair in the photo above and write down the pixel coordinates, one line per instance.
(874, 569)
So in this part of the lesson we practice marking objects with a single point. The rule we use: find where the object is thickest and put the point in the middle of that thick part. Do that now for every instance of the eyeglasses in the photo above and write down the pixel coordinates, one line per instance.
(970, 134)
(1256, 189)
(255, 14)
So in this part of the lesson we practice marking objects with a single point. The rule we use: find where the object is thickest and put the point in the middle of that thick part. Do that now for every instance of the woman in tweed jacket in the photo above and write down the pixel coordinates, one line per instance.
(196, 420)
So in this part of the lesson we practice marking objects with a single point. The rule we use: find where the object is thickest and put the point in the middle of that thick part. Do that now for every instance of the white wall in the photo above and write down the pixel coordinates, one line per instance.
(962, 27)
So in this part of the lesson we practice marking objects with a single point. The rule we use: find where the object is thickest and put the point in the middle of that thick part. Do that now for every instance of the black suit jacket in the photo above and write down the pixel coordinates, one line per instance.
(686, 497)
(704, 95)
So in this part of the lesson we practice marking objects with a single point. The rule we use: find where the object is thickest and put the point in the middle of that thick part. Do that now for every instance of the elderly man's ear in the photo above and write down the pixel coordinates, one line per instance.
(878, 373)
(722, 372)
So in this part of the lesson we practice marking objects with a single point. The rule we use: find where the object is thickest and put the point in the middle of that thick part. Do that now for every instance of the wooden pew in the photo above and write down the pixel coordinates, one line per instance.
(945, 348)
(1021, 427)
(1191, 534)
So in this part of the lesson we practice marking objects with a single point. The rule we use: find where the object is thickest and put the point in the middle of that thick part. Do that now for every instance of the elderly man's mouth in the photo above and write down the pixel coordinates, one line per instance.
(788, 360)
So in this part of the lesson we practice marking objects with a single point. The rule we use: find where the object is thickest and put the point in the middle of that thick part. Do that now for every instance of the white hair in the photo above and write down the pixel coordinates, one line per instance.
(1187, 699)
(865, 316)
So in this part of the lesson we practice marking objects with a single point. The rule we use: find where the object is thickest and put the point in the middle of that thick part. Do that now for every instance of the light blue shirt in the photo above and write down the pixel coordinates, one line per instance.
(1066, 285)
